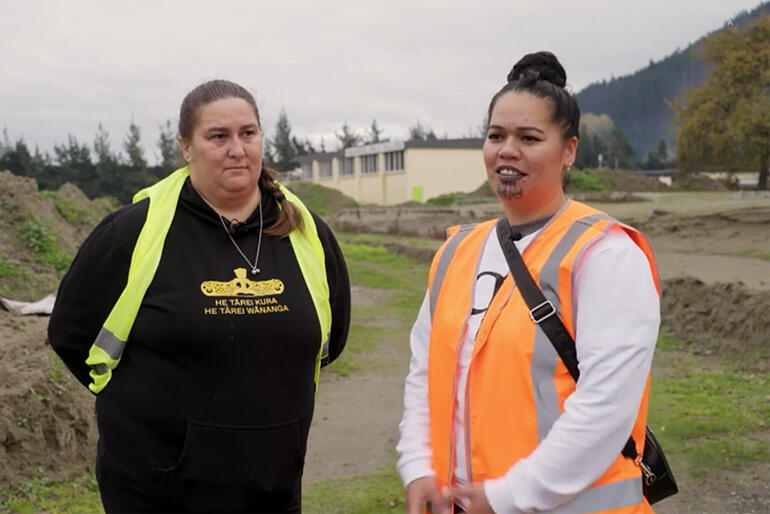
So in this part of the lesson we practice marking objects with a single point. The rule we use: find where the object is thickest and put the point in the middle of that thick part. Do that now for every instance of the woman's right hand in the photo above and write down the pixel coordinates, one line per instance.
(424, 491)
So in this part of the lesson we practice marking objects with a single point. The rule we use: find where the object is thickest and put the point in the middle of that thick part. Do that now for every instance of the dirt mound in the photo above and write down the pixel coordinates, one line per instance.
(727, 320)
(40, 233)
(696, 182)
(46, 416)
(743, 232)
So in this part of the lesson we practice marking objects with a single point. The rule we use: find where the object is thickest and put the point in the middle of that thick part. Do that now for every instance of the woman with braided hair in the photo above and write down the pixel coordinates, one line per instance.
(493, 420)
(200, 316)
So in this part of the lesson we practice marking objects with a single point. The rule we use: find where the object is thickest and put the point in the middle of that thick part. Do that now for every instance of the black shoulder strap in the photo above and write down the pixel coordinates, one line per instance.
(543, 312)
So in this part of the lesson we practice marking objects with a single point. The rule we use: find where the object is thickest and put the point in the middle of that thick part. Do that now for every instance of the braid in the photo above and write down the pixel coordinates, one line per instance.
(289, 217)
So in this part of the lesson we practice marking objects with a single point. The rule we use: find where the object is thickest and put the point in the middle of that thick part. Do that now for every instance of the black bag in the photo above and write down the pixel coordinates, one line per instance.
(658, 481)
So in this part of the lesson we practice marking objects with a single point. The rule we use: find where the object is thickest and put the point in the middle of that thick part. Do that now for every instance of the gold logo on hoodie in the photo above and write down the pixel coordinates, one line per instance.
(242, 286)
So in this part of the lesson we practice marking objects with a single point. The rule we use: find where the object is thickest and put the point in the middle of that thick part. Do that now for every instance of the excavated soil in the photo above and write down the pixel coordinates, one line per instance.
(46, 417)
(727, 320)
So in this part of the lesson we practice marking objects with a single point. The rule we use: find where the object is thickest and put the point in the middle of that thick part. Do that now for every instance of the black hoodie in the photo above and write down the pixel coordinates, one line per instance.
(211, 403)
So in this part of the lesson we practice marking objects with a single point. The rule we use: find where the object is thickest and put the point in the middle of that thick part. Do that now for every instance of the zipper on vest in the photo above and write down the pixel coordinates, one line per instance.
(467, 423)
(452, 435)
(466, 414)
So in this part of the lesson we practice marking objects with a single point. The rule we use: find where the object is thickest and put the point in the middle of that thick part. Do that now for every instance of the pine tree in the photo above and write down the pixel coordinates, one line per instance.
(347, 137)
(375, 133)
(168, 148)
(133, 148)
(102, 150)
(282, 149)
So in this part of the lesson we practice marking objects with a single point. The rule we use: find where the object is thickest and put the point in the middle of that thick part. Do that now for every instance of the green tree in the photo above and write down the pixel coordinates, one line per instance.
(420, 132)
(375, 133)
(726, 121)
(620, 153)
(170, 158)
(133, 148)
(586, 153)
(283, 150)
(303, 147)
(347, 137)
(75, 165)
(102, 150)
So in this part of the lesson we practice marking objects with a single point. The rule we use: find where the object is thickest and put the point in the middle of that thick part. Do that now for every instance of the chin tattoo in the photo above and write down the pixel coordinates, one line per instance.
(509, 189)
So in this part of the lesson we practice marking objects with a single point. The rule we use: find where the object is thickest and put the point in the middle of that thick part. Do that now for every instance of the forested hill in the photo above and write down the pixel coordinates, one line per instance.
(637, 102)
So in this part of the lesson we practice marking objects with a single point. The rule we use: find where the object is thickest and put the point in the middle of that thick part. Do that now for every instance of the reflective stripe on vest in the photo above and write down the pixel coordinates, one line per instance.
(107, 349)
(443, 263)
(514, 359)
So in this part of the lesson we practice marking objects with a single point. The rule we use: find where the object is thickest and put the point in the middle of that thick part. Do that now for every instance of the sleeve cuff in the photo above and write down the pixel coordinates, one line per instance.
(414, 470)
(499, 496)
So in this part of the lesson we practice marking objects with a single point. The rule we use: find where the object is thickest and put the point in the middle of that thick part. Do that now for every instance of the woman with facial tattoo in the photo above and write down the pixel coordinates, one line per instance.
(493, 420)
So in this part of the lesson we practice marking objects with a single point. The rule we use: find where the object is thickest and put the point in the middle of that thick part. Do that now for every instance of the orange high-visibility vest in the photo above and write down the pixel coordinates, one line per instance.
(517, 384)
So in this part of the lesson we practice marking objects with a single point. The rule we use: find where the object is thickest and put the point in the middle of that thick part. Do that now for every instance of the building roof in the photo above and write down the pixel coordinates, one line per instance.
(468, 142)
(318, 156)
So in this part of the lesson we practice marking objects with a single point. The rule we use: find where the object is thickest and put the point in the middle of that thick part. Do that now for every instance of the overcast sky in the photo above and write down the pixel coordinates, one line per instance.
(66, 66)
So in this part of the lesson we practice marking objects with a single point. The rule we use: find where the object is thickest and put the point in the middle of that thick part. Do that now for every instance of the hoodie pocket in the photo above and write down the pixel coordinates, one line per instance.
(226, 468)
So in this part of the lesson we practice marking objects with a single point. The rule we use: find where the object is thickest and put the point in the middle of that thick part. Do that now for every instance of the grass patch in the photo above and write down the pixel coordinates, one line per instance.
(70, 211)
(379, 268)
(754, 254)
(706, 402)
(385, 239)
(668, 342)
(446, 199)
(18, 282)
(379, 492)
(39, 238)
(388, 319)
(587, 180)
(708, 416)
(41, 494)
(361, 341)
(324, 201)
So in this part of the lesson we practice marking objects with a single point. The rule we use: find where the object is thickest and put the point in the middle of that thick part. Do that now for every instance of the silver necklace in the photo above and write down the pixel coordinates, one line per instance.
(254, 268)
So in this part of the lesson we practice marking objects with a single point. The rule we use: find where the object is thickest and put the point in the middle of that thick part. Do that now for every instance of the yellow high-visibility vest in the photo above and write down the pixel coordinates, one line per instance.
(104, 355)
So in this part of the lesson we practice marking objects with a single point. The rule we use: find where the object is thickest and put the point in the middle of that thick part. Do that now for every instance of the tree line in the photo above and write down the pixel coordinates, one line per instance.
(96, 169)
(284, 147)
(100, 170)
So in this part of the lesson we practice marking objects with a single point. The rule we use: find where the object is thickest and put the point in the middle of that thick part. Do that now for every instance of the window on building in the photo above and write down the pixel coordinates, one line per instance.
(307, 170)
(394, 161)
(347, 166)
(369, 164)
(324, 169)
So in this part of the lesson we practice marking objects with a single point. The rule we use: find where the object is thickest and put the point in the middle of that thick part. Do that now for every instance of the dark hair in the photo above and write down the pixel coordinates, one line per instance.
(214, 90)
(542, 75)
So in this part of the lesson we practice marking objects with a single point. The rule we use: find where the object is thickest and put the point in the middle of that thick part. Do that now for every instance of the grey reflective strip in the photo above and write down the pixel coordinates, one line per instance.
(605, 497)
(443, 264)
(101, 369)
(325, 347)
(544, 356)
(110, 343)
(580, 253)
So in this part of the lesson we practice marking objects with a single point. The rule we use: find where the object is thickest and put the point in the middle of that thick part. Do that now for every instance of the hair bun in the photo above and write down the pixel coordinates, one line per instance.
(540, 66)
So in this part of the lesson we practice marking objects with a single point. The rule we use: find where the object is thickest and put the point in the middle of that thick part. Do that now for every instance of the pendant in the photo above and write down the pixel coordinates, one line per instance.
(255, 271)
